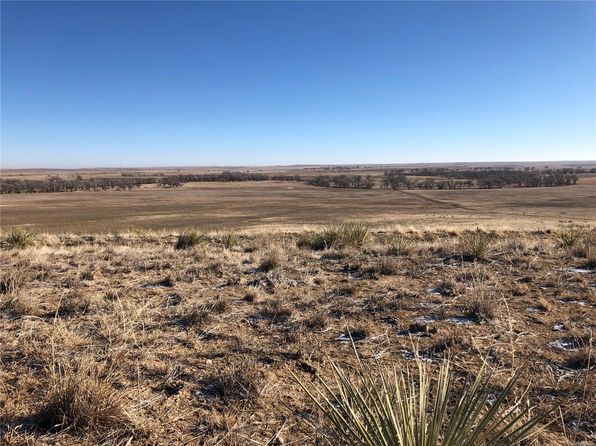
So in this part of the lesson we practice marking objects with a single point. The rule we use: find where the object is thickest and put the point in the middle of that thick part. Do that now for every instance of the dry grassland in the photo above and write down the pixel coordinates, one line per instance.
(123, 339)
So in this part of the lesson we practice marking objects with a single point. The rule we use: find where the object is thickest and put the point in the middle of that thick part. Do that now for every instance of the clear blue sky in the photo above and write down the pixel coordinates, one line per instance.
(161, 84)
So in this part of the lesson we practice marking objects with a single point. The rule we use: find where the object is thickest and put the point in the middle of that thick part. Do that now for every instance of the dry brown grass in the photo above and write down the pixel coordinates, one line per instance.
(196, 346)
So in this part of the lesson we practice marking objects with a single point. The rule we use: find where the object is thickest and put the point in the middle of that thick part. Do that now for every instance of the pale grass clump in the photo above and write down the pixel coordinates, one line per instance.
(271, 259)
(477, 244)
(399, 408)
(240, 383)
(190, 238)
(10, 281)
(400, 245)
(81, 400)
(19, 238)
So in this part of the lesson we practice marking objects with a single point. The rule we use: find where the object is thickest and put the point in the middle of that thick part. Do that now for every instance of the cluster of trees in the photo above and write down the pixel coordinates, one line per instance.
(497, 178)
(127, 182)
(343, 181)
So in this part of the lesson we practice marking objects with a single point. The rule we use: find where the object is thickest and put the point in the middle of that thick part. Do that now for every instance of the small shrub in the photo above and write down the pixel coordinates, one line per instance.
(571, 236)
(19, 238)
(476, 245)
(190, 238)
(229, 239)
(401, 245)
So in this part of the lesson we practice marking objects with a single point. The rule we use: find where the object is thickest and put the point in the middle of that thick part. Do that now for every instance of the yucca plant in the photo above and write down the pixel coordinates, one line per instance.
(229, 239)
(477, 244)
(571, 235)
(190, 238)
(400, 408)
(341, 236)
(19, 238)
(354, 234)
(401, 245)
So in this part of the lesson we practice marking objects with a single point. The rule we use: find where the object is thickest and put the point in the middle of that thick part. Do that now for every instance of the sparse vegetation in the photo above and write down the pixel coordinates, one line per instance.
(167, 334)
(190, 238)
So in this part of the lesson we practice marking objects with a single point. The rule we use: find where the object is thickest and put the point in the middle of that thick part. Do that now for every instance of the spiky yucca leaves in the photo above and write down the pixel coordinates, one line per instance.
(229, 239)
(477, 244)
(400, 245)
(190, 238)
(341, 236)
(571, 235)
(19, 238)
(397, 408)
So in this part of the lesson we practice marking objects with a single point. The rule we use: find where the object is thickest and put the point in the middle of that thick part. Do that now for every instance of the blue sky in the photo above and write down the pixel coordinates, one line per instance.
(89, 84)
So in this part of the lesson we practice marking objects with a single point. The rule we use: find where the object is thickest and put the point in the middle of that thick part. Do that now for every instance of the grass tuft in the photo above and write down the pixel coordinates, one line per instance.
(239, 384)
(270, 260)
(81, 401)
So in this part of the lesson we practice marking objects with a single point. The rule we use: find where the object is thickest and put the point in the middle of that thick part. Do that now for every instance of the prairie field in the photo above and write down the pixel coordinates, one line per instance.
(149, 337)
(192, 315)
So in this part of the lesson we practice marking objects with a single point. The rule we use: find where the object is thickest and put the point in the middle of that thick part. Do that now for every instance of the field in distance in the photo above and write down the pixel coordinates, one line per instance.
(292, 205)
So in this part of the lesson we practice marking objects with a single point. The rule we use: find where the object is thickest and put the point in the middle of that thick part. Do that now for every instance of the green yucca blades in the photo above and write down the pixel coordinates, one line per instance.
(398, 408)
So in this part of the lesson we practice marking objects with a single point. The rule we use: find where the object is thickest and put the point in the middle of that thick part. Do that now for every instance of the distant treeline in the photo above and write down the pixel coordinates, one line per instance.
(127, 182)
(451, 179)
(438, 178)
